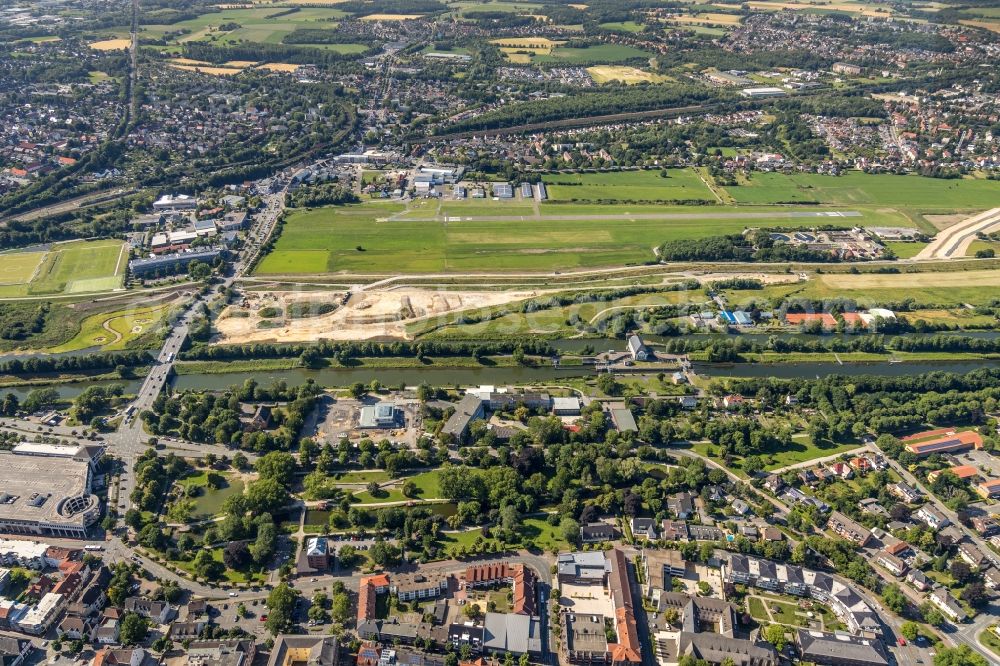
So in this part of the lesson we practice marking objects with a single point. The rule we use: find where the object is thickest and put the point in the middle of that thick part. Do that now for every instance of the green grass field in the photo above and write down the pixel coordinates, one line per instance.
(680, 185)
(623, 26)
(19, 267)
(77, 267)
(595, 55)
(856, 188)
(327, 240)
(255, 25)
(125, 326)
(931, 288)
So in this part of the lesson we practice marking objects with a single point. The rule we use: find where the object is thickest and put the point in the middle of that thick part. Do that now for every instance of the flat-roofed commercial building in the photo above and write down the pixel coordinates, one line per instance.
(46, 495)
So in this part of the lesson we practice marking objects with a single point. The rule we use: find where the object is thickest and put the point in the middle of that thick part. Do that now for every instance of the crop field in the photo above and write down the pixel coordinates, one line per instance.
(255, 24)
(708, 19)
(855, 188)
(375, 238)
(111, 45)
(680, 185)
(623, 73)
(623, 26)
(943, 289)
(73, 268)
(510, 7)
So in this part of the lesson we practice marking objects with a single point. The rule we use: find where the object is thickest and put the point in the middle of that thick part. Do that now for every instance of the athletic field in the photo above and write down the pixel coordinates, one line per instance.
(77, 267)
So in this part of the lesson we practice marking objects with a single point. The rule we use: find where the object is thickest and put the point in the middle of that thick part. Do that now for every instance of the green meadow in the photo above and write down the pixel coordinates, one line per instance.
(857, 188)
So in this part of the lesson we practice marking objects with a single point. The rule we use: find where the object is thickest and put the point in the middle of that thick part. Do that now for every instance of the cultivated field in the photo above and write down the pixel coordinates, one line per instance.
(855, 188)
(111, 45)
(680, 185)
(72, 268)
(630, 75)
(267, 25)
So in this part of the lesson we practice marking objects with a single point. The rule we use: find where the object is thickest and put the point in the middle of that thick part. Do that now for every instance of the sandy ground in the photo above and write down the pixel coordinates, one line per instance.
(366, 315)
(954, 241)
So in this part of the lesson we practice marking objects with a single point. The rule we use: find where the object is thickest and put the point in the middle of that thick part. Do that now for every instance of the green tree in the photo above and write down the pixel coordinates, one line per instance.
(958, 656)
(276, 465)
(133, 628)
(775, 635)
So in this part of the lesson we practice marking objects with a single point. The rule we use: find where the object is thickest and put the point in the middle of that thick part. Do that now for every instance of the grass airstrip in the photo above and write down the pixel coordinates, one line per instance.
(601, 219)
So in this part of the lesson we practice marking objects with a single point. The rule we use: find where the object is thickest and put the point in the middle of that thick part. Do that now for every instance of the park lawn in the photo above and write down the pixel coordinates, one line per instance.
(757, 610)
(538, 533)
(679, 185)
(466, 538)
(229, 575)
(363, 477)
(855, 187)
(785, 613)
(129, 325)
(209, 502)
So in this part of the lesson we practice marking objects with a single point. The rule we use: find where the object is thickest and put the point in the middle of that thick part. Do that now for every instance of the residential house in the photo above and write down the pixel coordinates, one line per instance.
(969, 552)
(598, 533)
(158, 611)
(918, 579)
(931, 517)
(947, 604)
(849, 529)
(891, 563)
(904, 492)
(681, 505)
(644, 528)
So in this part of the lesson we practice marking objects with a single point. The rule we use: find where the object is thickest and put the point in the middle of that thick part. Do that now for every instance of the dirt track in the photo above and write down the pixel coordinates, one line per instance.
(954, 241)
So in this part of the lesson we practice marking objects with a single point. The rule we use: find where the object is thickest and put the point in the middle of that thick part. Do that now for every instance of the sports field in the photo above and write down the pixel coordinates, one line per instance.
(855, 188)
(363, 239)
(679, 185)
(77, 267)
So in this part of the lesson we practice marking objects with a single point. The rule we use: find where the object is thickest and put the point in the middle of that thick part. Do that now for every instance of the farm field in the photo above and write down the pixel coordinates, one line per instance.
(255, 24)
(680, 185)
(366, 238)
(76, 267)
(854, 188)
(623, 26)
(708, 19)
(943, 289)
(600, 54)
(623, 73)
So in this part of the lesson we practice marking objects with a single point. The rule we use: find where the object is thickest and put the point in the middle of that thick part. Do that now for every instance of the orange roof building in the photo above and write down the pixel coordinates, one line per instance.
(368, 590)
(627, 650)
(955, 441)
(961, 471)
(797, 318)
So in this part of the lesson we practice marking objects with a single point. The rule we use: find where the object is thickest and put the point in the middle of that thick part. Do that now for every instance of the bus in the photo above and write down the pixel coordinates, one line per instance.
(93, 546)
